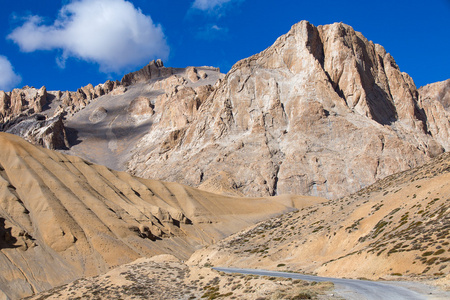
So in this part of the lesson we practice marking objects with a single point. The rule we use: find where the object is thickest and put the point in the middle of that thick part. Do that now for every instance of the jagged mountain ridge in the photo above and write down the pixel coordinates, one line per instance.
(323, 111)
(37, 114)
(29, 100)
(62, 218)
(108, 131)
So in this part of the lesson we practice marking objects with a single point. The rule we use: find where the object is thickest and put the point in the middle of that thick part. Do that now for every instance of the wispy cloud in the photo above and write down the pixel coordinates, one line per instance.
(112, 33)
(212, 32)
(8, 78)
(208, 4)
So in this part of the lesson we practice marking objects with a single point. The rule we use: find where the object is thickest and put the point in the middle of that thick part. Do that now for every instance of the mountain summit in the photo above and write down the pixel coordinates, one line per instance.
(323, 111)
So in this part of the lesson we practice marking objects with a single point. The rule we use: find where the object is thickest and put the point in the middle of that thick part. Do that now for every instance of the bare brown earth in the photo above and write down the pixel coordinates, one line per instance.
(62, 217)
(164, 277)
(396, 228)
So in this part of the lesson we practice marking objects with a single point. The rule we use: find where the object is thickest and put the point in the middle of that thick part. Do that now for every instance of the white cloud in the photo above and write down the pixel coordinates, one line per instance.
(212, 32)
(112, 33)
(208, 4)
(8, 78)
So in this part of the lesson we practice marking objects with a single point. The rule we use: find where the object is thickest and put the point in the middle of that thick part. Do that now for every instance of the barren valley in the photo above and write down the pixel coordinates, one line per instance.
(315, 156)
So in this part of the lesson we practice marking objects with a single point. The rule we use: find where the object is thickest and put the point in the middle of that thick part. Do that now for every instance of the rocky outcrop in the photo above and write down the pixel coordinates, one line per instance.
(153, 70)
(21, 101)
(439, 91)
(39, 130)
(192, 74)
(434, 100)
(29, 100)
(37, 114)
(156, 70)
(62, 218)
(72, 102)
(322, 112)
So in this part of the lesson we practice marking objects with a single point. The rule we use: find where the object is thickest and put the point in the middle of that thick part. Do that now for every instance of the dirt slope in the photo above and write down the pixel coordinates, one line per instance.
(164, 277)
(62, 218)
(398, 227)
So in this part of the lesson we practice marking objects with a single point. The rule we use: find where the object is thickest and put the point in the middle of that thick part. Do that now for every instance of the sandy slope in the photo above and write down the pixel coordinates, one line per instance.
(396, 228)
(164, 277)
(62, 217)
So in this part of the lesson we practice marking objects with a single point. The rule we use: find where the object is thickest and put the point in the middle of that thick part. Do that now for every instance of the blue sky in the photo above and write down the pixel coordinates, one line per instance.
(67, 44)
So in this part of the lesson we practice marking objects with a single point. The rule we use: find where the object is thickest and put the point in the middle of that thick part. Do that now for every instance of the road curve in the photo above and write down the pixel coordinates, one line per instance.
(346, 288)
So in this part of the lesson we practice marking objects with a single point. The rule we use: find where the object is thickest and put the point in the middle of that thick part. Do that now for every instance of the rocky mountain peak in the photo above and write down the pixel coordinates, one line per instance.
(302, 116)
(153, 70)
(323, 111)
(27, 100)
(363, 75)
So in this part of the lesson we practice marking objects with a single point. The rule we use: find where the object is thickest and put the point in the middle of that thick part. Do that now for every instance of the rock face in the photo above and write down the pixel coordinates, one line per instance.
(154, 69)
(39, 130)
(434, 99)
(439, 91)
(25, 101)
(21, 113)
(62, 218)
(71, 102)
(109, 130)
(323, 111)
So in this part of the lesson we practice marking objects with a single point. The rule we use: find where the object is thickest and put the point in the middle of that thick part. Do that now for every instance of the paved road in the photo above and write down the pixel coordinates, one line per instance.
(348, 288)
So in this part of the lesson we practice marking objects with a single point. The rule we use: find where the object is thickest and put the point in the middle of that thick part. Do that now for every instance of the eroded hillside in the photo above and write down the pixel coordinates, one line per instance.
(398, 227)
(62, 217)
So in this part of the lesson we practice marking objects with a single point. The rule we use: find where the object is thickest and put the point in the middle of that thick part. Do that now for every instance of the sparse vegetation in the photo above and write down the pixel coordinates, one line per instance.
(438, 252)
